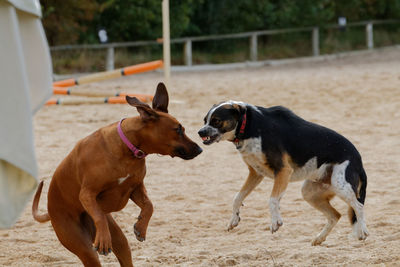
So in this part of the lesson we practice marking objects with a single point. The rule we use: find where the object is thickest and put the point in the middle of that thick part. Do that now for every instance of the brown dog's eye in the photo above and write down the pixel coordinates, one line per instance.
(180, 130)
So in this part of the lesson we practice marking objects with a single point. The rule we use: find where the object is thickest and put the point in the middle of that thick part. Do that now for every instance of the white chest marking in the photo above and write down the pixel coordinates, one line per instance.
(252, 154)
(122, 179)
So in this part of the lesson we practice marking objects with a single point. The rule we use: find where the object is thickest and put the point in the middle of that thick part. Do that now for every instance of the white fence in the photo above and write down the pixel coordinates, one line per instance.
(252, 36)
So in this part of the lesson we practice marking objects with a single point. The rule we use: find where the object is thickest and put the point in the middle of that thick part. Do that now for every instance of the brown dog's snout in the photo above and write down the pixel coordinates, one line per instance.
(190, 152)
(198, 150)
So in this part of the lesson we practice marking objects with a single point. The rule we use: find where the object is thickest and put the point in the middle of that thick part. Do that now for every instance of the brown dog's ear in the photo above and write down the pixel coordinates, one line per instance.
(145, 111)
(160, 100)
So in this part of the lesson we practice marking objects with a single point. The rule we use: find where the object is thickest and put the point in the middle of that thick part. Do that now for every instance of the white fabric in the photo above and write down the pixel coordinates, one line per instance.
(30, 6)
(25, 84)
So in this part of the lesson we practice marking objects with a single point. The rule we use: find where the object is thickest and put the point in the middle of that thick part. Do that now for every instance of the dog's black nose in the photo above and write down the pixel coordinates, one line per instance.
(202, 132)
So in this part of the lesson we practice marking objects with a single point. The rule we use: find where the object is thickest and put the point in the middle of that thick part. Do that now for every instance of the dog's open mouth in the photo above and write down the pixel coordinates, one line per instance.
(207, 140)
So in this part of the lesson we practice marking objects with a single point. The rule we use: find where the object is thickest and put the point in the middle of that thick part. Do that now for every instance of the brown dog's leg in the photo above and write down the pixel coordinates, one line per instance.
(102, 241)
(119, 243)
(281, 182)
(75, 238)
(252, 181)
(139, 196)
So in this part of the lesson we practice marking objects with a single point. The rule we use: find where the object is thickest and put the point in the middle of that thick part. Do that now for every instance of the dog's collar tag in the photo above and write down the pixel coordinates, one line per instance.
(239, 135)
(136, 152)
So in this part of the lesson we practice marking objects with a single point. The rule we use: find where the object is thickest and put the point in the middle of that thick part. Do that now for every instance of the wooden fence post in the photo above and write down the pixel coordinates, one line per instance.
(188, 52)
(110, 58)
(315, 41)
(369, 35)
(166, 42)
(253, 47)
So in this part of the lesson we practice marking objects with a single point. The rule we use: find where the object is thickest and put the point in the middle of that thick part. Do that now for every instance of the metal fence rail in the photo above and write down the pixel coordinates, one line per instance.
(253, 40)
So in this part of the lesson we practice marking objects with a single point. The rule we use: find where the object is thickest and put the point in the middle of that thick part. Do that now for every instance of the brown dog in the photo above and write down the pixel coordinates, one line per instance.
(102, 173)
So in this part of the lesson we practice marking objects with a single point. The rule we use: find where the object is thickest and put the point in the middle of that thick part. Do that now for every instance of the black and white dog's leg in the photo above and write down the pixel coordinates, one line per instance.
(344, 190)
(318, 195)
(281, 182)
(252, 181)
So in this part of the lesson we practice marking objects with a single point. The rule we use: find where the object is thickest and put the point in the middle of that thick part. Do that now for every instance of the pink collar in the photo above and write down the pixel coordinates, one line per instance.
(136, 152)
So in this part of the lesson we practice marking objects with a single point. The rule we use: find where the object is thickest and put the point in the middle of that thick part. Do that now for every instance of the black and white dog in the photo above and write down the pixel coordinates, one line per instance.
(275, 142)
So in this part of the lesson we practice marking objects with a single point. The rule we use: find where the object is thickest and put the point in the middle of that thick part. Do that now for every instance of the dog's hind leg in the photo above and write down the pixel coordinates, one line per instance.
(119, 243)
(345, 191)
(318, 195)
(76, 238)
(252, 181)
(139, 196)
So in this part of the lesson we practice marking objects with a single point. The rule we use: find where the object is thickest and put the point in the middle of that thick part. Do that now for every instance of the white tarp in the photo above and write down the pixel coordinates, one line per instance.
(25, 85)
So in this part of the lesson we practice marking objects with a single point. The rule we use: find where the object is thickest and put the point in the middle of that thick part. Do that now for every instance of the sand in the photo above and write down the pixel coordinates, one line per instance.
(358, 96)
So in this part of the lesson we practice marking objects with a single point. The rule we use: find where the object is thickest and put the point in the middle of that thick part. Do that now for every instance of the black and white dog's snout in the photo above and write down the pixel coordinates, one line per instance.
(208, 134)
(221, 121)
(203, 132)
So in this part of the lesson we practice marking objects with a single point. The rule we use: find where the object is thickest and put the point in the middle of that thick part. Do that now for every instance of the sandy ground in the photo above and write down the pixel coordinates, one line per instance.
(357, 96)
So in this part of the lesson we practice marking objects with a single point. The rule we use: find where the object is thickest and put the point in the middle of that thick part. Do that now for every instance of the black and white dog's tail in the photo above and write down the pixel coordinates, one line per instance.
(362, 193)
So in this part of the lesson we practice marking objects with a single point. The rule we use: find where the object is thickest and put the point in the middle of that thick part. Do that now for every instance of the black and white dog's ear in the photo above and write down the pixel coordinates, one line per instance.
(241, 108)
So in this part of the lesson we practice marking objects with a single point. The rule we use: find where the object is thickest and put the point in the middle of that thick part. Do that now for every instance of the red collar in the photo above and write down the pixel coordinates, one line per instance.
(136, 152)
(238, 136)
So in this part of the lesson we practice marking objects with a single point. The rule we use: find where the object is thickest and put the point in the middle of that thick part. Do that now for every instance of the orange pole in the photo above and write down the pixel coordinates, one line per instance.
(96, 100)
(65, 83)
(68, 91)
(60, 91)
(116, 100)
(111, 74)
(52, 102)
(142, 67)
(141, 97)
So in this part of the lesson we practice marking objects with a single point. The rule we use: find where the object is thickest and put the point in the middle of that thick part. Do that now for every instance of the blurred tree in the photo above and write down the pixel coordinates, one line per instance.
(225, 16)
(291, 13)
(66, 21)
(73, 21)
(129, 20)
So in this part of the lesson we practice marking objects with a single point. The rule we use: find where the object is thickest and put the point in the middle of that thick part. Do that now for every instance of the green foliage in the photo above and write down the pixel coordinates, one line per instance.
(78, 22)
(72, 21)
(130, 20)
(66, 21)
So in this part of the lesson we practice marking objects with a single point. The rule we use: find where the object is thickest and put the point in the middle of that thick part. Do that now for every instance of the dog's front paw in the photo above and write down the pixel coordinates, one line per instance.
(140, 235)
(102, 243)
(318, 240)
(234, 221)
(276, 223)
(360, 231)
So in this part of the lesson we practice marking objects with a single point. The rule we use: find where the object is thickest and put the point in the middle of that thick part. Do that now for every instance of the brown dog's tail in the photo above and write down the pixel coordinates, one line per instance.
(39, 217)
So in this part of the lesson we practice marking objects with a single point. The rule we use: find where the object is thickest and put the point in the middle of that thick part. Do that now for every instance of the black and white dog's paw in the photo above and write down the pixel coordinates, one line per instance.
(234, 221)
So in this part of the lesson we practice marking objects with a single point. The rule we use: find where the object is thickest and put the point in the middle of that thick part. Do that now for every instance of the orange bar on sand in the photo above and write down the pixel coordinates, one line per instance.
(116, 100)
(60, 91)
(141, 97)
(121, 99)
(51, 102)
(142, 67)
(64, 83)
